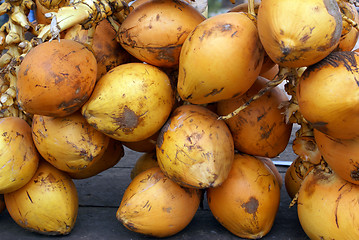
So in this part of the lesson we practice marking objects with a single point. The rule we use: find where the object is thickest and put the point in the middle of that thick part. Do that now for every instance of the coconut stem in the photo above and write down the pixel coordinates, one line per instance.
(294, 200)
(283, 73)
(350, 21)
(251, 7)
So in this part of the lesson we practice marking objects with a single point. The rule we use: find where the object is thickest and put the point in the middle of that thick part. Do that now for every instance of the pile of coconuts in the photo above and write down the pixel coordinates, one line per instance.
(199, 96)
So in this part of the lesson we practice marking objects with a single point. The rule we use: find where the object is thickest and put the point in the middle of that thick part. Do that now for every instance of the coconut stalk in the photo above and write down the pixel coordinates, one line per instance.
(87, 13)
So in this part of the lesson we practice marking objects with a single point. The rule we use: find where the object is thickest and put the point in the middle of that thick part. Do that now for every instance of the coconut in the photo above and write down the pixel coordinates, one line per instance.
(188, 149)
(342, 155)
(19, 157)
(131, 102)
(156, 37)
(220, 59)
(69, 143)
(327, 206)
(47, 204)
(327, 94)
(247, 202)
(56, 78)
(295, 38)
(261, 128)
(154, 205)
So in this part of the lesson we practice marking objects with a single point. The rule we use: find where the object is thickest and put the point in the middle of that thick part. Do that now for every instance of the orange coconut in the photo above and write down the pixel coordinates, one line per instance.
(154, 205)
(267, 62)
(295, 38)
(295, 174)
(328, 206)
(270, 164)
(56, 78)
(220, 59)
(327, 94)
(350, 34)
(342, 155)
(306, 148)
(247, 202)
(270, 73)
(260, 129)
(348, 41)
(156, 37)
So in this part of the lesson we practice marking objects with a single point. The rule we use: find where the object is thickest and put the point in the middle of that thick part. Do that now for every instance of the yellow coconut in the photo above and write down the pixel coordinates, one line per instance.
(327, 94)
(220, 59)
(248, 200)
(112, 155)
(297, 33)
(194, 148)
(156, 206)
(342, 155)
(19, 157)
(144, 162)
(47, 204)
(156, 37)
(68, 143)
(260, 129)
(328, 206)
(131, 102)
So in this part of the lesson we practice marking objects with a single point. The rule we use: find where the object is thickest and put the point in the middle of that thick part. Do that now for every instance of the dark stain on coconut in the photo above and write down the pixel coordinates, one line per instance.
(251, 206)
(333, 9)
(164, 129)
(128, 120)
(334, 59)
(317, 175)
(129, 225)
(321, 126)
(26, 70)
(354, 174)
(73, 104)
(28, 195)
(266, 131)
(214, 91)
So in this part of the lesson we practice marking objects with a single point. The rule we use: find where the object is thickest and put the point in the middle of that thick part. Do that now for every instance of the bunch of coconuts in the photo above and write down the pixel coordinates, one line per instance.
(174, 92)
